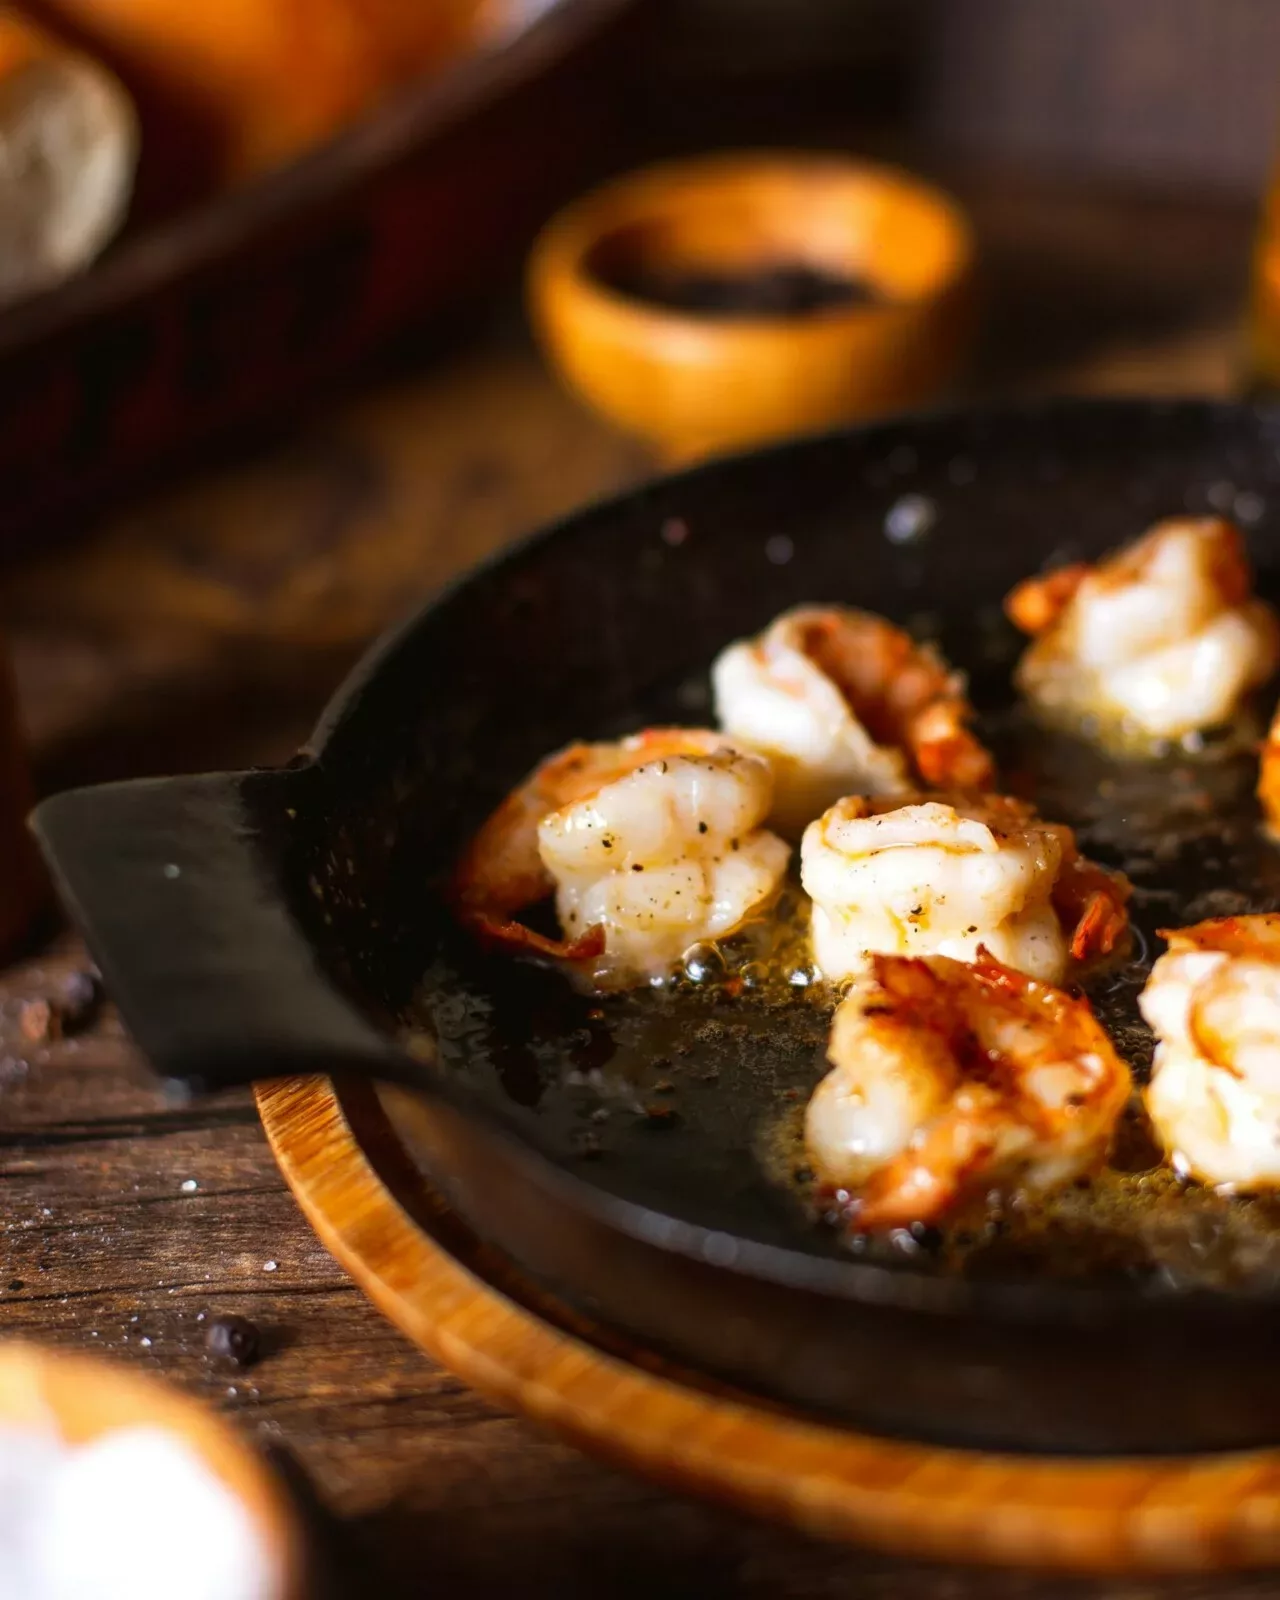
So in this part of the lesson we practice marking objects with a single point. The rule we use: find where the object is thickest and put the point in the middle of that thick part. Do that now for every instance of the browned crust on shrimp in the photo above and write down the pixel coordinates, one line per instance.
(1091, 901)
(1231, 571)
(1036, 603)
(1255, 934)
(903, 694)
(1269, 774)
(501, 873)
(926, 1180)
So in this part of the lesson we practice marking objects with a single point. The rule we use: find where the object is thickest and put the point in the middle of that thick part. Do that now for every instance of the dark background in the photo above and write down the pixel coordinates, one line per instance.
(1170, 93)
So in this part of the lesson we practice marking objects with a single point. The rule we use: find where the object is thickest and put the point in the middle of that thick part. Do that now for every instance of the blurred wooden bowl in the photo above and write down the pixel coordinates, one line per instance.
(691, 383)
(85, 1399)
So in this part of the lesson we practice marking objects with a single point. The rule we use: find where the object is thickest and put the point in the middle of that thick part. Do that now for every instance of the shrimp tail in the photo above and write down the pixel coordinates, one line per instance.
(1229, 564)
(1093, 905)
(1091, 901)
(1099, 928)
(946, 754)
(904, 694)
(997, 977)
(1036, 603)
(505, 933)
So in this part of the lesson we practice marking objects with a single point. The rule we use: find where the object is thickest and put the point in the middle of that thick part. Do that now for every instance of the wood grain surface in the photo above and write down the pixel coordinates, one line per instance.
(204, 628)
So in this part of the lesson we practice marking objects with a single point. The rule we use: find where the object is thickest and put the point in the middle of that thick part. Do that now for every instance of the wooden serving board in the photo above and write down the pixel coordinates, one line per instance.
(468, 1307)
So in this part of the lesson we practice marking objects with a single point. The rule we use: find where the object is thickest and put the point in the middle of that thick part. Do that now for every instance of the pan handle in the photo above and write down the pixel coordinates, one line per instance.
(172, 886)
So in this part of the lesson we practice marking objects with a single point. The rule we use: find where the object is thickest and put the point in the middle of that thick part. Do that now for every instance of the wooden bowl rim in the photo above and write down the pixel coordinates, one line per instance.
(559, 262)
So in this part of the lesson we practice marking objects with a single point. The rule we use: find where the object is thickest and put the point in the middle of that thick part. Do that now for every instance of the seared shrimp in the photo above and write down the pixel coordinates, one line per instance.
(650, 845)
(1213, 1001)
(842, 702)
(1161, 640)
(949, 1080)
(1269, 775)
(949, 874)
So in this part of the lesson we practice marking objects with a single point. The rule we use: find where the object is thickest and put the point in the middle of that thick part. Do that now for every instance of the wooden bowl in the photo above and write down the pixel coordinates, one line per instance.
(691, 383)
(85, 1399)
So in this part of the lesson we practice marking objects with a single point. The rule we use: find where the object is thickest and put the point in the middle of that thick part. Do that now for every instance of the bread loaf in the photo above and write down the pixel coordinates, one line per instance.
(68, 143)
(266, 79)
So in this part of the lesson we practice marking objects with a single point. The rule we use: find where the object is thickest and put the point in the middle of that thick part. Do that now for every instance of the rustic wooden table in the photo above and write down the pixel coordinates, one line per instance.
(204, 629)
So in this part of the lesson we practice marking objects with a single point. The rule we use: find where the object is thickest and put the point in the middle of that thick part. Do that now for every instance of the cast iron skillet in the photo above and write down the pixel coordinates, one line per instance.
(636, 1154)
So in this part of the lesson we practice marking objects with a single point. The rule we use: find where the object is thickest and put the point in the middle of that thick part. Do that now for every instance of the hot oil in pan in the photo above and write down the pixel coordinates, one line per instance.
(690, 1097)
(666, 1095)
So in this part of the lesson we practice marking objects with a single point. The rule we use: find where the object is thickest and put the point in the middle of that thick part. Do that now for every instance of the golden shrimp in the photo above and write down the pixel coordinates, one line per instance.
(946, 874)
(650, 845)
(842, 702)
(1161, 640)
(1213, 1002)
(1269, 775)
(951, 1080)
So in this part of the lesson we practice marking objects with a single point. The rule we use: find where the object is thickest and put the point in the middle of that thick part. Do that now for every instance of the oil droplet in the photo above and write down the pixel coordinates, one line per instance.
(703, 963)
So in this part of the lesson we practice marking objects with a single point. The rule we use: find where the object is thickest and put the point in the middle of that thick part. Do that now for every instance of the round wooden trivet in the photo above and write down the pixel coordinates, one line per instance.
(460, 1301)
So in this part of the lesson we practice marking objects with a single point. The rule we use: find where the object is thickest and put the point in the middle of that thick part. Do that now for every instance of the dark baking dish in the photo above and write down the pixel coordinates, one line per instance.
(269, 923)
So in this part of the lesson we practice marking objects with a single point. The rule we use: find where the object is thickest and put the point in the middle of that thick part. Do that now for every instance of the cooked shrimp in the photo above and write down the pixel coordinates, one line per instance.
(1269, 775)
(1213, 1001)
(650, 845)
(1161, 640)
(949, 1080)
(842, 702)
(946, 875)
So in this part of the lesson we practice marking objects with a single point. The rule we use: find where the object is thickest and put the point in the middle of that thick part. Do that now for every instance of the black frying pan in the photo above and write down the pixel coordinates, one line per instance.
(639, 1154)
